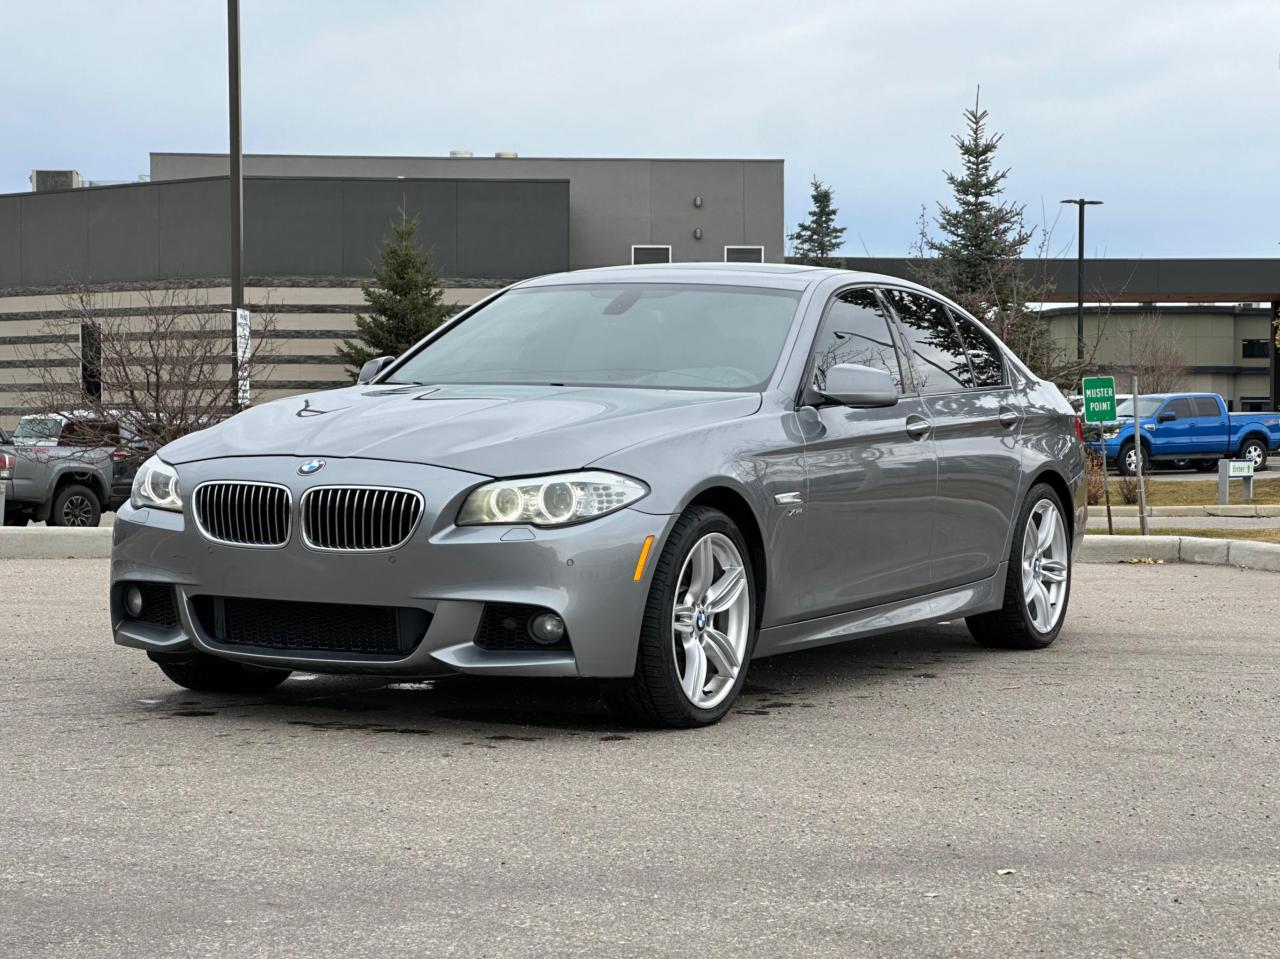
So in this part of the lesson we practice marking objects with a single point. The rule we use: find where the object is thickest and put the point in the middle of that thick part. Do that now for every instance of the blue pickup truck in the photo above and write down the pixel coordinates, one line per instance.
(1191, 427)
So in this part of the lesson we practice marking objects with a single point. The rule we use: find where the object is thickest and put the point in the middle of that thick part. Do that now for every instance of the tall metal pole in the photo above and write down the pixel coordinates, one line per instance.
(1137, 453)
(237, 189)
(1080, 292)
(1080, 203)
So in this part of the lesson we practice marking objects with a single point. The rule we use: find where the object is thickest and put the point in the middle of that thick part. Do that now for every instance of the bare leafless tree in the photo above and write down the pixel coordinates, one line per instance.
(1154, 353)
(150, 367)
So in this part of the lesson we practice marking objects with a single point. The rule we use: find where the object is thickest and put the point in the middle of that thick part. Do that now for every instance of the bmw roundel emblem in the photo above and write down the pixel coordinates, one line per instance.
(310, 467)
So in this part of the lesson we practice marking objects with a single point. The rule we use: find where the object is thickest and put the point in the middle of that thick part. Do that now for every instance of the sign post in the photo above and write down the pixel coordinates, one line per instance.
(1137, 453)
(1100, 407)
(242, 359)
(1234, 469)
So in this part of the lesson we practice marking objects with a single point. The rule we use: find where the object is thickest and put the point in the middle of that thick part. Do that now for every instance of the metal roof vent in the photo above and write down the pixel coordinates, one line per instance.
(506, 154)
(460, 153)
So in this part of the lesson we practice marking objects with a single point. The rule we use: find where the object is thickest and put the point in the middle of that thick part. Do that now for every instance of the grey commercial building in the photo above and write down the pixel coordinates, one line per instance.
(314, 226)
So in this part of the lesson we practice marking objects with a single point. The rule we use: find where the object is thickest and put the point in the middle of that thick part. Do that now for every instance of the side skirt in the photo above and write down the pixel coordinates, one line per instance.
(954, 603)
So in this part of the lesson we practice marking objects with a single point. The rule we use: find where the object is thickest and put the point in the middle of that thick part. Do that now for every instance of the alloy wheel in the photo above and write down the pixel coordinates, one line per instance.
(76, 511)
(711, 620)
(1253, 453)
(1044, 566)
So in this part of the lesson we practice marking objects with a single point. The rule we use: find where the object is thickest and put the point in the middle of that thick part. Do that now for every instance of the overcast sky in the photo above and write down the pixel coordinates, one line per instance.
(1166, 110)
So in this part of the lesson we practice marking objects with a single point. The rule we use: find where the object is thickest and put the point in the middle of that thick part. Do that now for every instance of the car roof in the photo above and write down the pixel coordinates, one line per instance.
(786, 276)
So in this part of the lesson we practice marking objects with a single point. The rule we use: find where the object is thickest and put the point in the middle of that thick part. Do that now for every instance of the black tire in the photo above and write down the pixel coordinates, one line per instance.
(1256, 450)
(209, 674)
(1204, 466)
(652, 696)
(1010, 626)
(1122, 460)
(1175, 465)
(75, 505)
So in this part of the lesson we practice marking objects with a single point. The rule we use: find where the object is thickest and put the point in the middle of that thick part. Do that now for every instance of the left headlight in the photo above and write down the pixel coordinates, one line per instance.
(550, 500)
(156, 485)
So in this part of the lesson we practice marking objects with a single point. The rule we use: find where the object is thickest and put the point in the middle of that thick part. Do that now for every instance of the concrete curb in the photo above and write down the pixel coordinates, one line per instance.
(1234, 510)
(54, 542)
(1181, 549)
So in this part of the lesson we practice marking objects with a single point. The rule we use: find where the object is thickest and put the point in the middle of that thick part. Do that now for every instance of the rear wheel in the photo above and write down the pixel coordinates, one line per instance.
(1038, 584)
(75, 505)
(209, 674)
(699, 626)
(1254, 450)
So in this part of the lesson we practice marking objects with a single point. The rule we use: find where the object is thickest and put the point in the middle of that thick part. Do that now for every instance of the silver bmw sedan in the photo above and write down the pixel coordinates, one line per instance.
(646, 475)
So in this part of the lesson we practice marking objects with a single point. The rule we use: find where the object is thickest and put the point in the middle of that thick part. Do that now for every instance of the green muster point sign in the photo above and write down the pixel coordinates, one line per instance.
(1099, 399)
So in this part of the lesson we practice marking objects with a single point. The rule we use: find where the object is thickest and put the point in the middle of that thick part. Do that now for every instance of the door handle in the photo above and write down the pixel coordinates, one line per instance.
(1009, 417)
(918, 427)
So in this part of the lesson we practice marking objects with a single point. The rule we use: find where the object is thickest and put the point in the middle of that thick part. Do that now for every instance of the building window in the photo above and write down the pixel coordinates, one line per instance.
(1254, 349)
(744, 254)
(1254, 404)
(650, 254)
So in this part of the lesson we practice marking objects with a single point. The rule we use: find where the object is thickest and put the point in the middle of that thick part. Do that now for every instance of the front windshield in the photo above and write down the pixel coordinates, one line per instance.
(38, 428)
(658, 335)
(1147, 406)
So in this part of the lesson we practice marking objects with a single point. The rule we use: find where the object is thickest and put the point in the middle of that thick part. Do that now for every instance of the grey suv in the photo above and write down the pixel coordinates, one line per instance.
(650, 475)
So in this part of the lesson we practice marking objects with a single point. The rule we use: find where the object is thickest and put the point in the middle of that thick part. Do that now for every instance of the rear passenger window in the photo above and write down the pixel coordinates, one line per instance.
(984, 355)
(941, 364)
(1207, 406)
(855, 330)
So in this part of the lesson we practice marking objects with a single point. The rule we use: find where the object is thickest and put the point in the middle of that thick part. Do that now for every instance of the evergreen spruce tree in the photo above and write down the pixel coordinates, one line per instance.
(975, 257)
(405, 300)
(816, 239)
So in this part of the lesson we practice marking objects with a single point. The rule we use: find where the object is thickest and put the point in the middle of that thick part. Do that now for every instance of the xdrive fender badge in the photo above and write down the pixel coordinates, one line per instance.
(310, 467)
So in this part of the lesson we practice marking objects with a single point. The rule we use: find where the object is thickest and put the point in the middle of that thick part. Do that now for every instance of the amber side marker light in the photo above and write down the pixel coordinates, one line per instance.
(644, 556)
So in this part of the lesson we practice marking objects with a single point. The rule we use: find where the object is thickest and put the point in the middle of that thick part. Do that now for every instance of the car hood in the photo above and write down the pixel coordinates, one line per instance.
(492, 431)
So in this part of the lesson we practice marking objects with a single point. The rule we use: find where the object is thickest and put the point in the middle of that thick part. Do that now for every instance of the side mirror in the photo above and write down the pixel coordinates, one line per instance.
(1168, 416)
(373, 368)
(852, 385)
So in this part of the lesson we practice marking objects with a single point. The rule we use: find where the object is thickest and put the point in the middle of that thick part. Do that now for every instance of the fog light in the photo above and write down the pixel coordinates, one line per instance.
(546, 628)
(133, 601)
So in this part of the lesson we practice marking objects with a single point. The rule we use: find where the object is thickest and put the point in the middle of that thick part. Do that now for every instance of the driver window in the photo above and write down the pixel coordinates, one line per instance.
(1182, 408)
(855, 330)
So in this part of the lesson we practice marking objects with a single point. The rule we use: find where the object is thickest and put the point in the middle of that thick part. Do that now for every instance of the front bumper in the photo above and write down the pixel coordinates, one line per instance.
(584, 573)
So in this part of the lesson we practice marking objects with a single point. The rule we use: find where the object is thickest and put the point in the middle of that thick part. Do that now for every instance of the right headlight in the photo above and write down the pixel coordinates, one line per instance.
(155, 485)
(557, 500)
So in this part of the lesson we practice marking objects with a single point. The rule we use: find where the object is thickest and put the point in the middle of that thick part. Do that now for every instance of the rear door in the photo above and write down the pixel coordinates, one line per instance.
(976, 415)
(1210, 437)
(872, 472)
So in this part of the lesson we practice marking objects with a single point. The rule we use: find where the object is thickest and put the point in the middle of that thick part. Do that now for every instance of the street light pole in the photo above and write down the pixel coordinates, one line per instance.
(237, 192)
(1081, 203)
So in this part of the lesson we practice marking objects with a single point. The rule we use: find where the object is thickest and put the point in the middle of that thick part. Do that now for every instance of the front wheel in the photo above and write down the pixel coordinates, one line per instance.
(699, 626)
(1127, 461)
(209, 674)
(1255, 451)
(75, 505)
(1038, 584)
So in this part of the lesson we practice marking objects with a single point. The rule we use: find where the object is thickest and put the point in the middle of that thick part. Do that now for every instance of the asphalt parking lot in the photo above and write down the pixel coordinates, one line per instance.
(863, 800)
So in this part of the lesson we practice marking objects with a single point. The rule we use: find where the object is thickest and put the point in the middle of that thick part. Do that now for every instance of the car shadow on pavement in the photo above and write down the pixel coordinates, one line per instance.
(456, 704)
